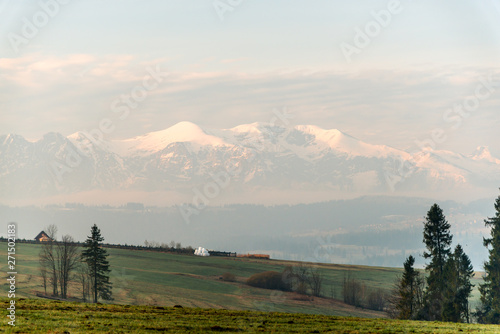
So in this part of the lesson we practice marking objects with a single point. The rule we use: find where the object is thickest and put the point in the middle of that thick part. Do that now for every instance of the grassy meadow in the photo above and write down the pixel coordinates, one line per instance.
(44, 316)
(146, 286)
(162, 279)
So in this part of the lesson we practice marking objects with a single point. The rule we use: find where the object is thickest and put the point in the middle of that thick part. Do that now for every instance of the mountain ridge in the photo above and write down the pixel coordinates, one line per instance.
(266, 157)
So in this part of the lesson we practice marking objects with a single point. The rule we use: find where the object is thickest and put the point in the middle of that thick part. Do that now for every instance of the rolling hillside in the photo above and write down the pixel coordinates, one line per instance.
(152, 278)
(162, 279)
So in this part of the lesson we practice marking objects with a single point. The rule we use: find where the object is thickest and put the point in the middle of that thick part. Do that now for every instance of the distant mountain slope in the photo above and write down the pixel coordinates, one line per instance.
(251, 158)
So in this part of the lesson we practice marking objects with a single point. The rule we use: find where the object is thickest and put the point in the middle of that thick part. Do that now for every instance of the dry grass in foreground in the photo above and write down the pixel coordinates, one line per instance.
(46, 316)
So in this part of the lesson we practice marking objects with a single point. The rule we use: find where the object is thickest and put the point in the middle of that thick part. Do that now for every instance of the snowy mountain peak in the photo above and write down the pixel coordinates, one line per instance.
(77, 136)
(341, 142)
(182, 132)
(332, 136)
(483, 153)
(247, 128)
(184, 127)
(268, 156)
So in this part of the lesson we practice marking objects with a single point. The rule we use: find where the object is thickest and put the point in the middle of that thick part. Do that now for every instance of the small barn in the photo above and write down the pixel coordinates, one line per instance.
(42, 237)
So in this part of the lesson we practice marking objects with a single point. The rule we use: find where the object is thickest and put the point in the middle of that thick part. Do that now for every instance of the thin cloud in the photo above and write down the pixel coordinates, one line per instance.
(389, 107)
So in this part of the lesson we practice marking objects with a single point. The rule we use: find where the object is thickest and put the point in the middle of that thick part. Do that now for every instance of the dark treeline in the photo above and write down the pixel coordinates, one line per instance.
(176, 248)
(443, 295)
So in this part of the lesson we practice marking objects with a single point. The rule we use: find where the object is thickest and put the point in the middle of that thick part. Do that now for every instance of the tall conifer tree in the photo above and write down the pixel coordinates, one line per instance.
(458, 273)
(437, 240)
(95, 257)
(408, 294)
(490, 290)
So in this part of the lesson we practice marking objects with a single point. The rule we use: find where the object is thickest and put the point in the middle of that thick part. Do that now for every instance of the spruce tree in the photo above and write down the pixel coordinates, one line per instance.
(408, 292)
(490, 290)
(95, 257)
(458, 272)
(465, 274)
(451, 310)
(437, 239)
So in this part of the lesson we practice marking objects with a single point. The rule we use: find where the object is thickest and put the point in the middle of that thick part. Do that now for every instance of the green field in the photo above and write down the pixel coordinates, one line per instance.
(162, 279)
(42, 316)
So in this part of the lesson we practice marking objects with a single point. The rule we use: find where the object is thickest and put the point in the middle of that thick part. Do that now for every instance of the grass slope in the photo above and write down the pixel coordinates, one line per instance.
(42, 316)
(161, 279)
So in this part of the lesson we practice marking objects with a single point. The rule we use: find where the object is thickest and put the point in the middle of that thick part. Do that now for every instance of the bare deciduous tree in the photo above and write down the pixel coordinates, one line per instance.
(376, 300)
(352, 290)
(47, 258)
(315, 281)
(288, 278)
(67, 255)
(85, 280)
(51, 231)
(301, 278)
(43, 273)
(57, 261)
(301, 274)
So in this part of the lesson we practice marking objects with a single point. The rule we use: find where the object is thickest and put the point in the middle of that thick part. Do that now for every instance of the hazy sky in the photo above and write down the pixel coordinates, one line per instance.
(66, 67)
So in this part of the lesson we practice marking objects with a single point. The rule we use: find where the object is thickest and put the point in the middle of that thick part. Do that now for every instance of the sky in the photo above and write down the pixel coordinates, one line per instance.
(387, 72)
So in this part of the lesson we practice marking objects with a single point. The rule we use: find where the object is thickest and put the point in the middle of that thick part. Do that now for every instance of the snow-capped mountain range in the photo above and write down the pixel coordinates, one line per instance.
(244, 159)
